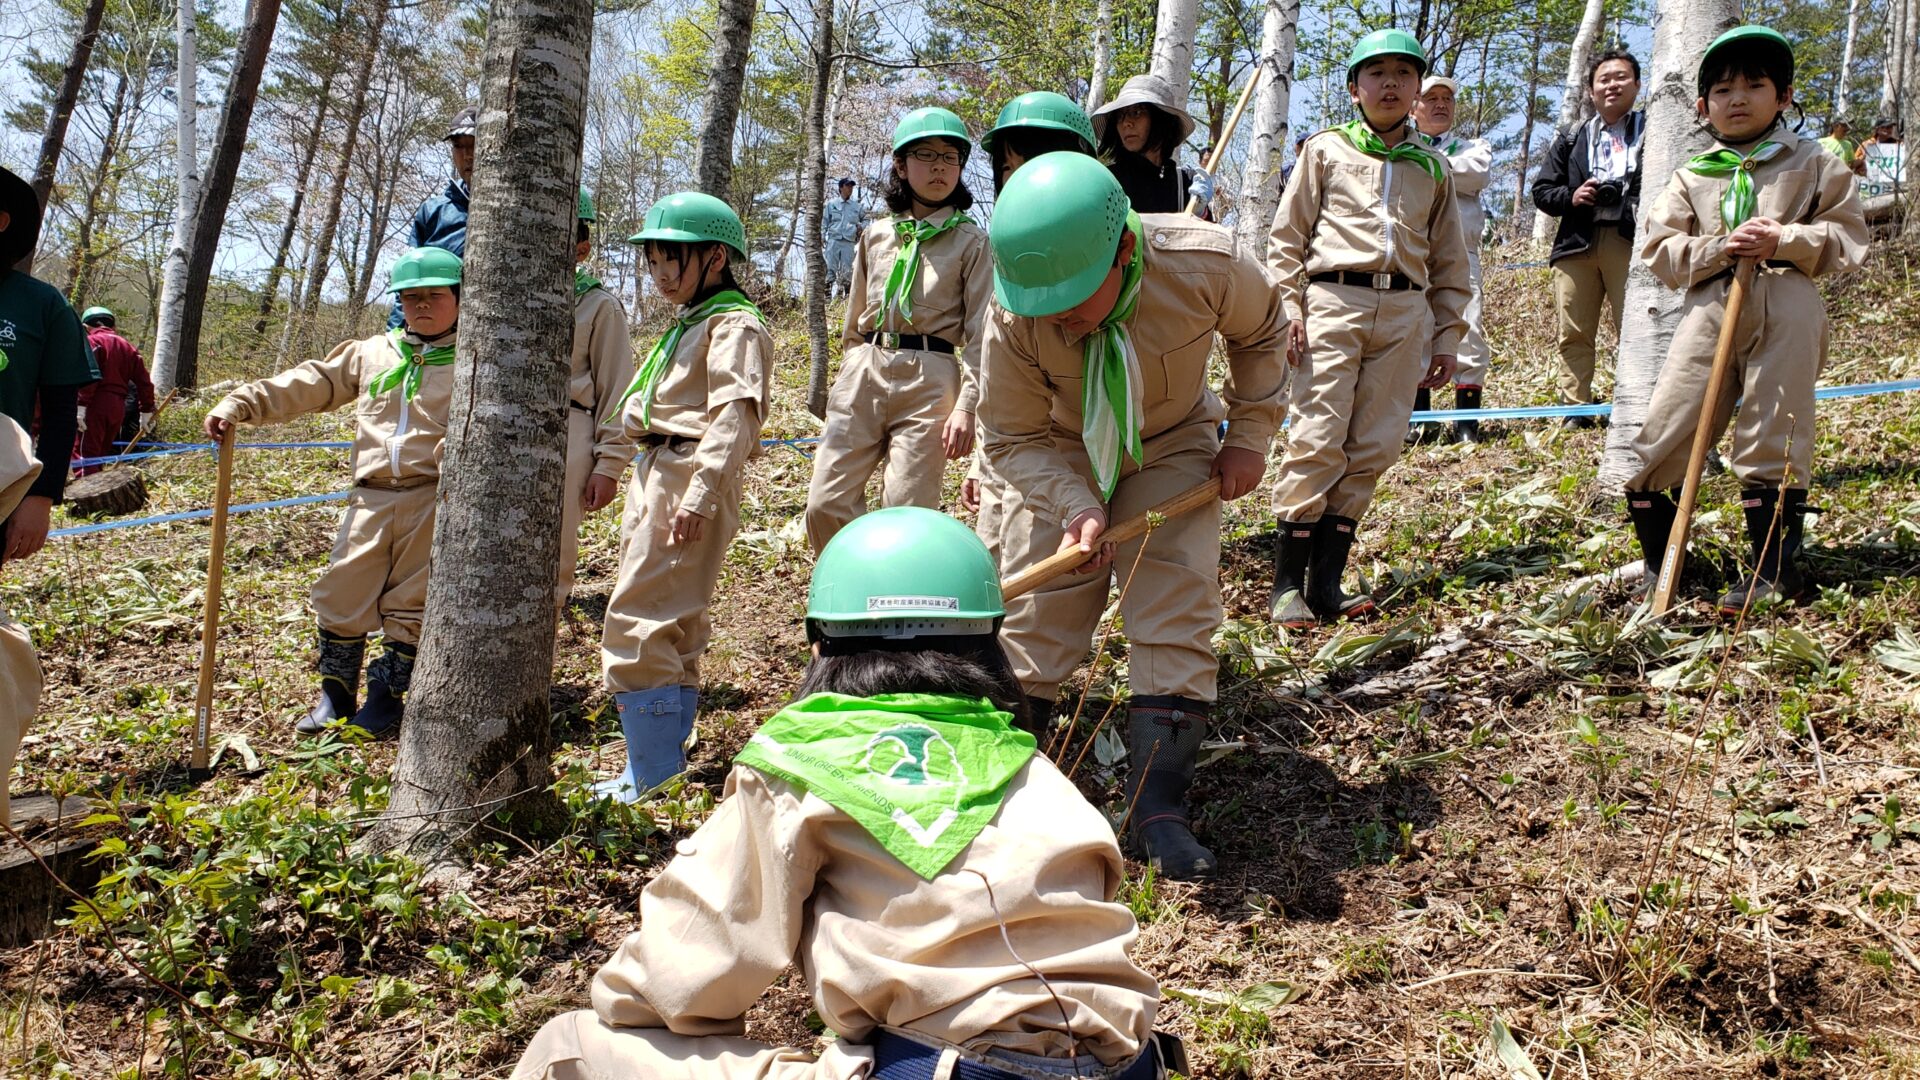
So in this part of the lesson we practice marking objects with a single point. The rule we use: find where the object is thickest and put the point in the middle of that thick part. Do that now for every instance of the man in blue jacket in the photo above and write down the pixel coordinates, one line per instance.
(441, 221)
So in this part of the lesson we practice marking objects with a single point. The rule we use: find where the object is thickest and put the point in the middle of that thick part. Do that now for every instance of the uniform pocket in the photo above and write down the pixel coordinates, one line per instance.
(1413, 196)
(1352, 189)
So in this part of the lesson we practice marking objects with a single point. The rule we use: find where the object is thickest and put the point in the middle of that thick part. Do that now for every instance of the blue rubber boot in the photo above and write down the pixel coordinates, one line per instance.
(651, 721)
(689, 706)
(388, 679)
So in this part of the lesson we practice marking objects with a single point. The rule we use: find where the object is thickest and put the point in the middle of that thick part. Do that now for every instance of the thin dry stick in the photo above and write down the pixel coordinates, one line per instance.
(1474, 972)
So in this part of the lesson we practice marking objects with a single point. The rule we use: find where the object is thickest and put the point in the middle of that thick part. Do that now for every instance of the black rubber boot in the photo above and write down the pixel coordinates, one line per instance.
(339, 668)
(1774, 576)
(1292, 547)
(1163, 746)
(1039, 719)
(1332, 544)
(1466, 397)
(388, 678)
(1422, 431)
(1652, 513)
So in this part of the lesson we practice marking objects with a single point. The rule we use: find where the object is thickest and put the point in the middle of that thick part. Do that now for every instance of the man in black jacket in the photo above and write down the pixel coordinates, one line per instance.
(1590, 180)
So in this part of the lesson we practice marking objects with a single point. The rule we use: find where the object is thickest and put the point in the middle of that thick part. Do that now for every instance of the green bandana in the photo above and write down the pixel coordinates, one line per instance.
(899, 294)
(1740, 201)
(583, 281)
(1111, 397)
(922, 773)
(406, 374)
(1368, 141)
(661, 355)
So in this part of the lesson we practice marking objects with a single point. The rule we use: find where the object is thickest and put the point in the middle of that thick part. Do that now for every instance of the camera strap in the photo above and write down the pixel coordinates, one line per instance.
(1635, 124)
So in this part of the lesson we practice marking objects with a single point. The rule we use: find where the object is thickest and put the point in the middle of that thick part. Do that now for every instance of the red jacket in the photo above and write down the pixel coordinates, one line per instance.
(121, 366)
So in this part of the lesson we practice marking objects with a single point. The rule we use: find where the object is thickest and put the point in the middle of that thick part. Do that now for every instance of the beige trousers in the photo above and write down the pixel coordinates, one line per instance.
(1580, 283)
(1779, 347)
(1474, 356)
(19, 697)
(885, 403)
(580, 430)
(1170, 593)
(581, 1046)
(1366, 353)
(377, 580)
(657, 622)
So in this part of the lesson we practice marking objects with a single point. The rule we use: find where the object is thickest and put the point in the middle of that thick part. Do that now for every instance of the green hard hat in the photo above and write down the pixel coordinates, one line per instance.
(691, 217)
(930, 123)
(1749, 37)
(1055, 232)
(905, 571)
(417, 268)
(1386, 43)
(585, 213)
(93, 313)
(1041, 109)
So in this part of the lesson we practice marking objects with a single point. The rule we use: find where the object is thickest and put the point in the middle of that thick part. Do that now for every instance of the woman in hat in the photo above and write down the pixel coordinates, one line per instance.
(1140, 133)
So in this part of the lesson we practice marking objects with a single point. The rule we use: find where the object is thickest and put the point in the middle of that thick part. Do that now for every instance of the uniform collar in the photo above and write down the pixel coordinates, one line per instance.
(1779, 133)
(935, 218)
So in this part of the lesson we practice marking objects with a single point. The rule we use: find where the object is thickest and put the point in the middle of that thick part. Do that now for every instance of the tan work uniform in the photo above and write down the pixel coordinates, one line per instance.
(707, 413)
(19, 668)
(377, 579)
(601, 368)
(1367, 348)
(892, 403)
(1780, 341)
(778, 875)
(1193, 284)
(1470, 163)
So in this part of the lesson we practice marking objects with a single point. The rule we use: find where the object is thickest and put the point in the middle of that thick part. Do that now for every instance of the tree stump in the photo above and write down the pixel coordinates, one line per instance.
(110, 491)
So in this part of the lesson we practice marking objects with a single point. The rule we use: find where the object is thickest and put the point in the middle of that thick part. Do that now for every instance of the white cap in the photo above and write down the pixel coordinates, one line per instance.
(1439, 80)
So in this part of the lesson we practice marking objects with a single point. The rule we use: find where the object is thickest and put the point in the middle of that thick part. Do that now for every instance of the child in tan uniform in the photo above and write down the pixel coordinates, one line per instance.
(908, 386)
(693, 412)
(19, 667)
(602, 367)
(1367, 249)
(1760, 193)
(1096, 408)
(882, 831)
(401, 386)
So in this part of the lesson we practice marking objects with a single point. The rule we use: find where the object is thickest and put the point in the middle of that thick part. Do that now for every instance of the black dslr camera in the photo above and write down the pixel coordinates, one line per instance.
(1609, 192)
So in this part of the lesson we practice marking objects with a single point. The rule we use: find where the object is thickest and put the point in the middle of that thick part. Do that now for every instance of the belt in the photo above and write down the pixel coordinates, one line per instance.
(896, 1057)
(395, 484)
(1381, 282)
(1771, 264)
(654, 441)
(910, 342)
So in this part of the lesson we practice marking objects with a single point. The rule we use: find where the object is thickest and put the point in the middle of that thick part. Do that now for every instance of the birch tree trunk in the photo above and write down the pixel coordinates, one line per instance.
(243, 90)
(726, 80)
(839, 86)
(478, 731)
(1892, 72)
(1173, 31)
(1846, 62)
(61, 114)
(1260, 181)
(813, 189)
(1682, 30)
(166, 342)
(322, 254)
(1575, 104)
(1102, 55)
(1904, 111)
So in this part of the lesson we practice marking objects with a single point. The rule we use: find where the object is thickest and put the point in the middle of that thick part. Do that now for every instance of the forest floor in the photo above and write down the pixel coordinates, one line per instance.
(1505, 829)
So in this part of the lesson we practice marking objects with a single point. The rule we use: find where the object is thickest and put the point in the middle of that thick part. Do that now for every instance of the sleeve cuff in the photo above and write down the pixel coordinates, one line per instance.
(1249, 435)
(611, 466)
(1447, 344)
(230, 410)
(700, 501)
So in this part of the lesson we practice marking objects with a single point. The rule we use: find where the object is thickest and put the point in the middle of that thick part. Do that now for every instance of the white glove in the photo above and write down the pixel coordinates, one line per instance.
(146, 421)
(1202, 186)
(80, 418)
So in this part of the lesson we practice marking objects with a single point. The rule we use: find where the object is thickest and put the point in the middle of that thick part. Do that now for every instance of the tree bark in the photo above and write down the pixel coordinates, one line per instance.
(172, 308)
(322, 253)
(1682, 30)
(309, 151)
(1260, 181)
(1893, 71)
(1575, 105)
(1520, 199)
(813, 189)
(1846, 62)
(1903, 115)
(1102, 54)
(1174, 26)
(61, 114)
(839, 89)
(726, 80)
(243, 91)
(478, 732)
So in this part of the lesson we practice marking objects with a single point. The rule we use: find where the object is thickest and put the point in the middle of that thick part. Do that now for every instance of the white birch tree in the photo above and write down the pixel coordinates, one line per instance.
(1102, 54)
(1575, 104)
(1173, 32)
(166, 347)
(1846, 61)
(1260, 181)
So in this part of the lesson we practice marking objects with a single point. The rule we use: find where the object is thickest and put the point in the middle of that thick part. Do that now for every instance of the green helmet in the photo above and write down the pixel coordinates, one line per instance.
(905, 571)
(930, 123)
(1055, 232)
(585, 212)
(1386, 43)
(1042, 109)
(691, 217)
(93, 313)
(1760, 40)
(417, 268)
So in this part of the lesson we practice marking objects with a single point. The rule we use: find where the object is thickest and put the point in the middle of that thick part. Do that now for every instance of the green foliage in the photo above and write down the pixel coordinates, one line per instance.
(1888, 828)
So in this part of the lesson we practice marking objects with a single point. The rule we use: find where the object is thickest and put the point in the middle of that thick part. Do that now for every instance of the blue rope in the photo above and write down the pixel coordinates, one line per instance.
(195, 515)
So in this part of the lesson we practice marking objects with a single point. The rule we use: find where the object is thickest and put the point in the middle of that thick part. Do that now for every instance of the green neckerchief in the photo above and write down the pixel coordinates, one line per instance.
(647, 379)
(1449, 150)
(922, 773)
(1111, 398)
(583, 281)
(1368, 141)
(906, 265)
(1740, 200)
(406, 373)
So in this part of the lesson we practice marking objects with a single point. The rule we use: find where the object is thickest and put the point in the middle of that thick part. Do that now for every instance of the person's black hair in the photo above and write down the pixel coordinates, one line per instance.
(899, 197)
(1607, 57)
(683, 252)
(968, 666)
(1030, 143)
(582, 233)
(1163, 131)
(1749, 60)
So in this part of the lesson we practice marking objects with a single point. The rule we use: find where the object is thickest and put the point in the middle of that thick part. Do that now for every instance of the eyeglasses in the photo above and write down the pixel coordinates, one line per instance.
(928, 157)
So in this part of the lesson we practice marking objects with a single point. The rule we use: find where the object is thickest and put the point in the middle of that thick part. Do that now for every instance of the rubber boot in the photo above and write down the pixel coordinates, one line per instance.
(656, 732)
(339, 668)
(1332, 545)
(1163, 744)
(1422, 431)
(388, 678)
(1466, 397)
(1652, 514)
(1293, 546)
(1774, 575)
(1039, 723)
(689, 706)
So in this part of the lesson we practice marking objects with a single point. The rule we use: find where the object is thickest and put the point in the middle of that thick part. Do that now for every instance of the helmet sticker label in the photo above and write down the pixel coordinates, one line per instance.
(913, 603)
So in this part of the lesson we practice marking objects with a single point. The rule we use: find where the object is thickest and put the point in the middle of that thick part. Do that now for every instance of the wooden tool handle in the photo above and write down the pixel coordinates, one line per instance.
(1226, 133)
(144, 432)
(1674, 558)
(210, 617)
(1061, 562)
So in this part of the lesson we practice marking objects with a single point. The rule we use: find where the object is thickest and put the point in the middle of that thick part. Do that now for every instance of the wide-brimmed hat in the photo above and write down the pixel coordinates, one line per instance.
(1144, 90)
(23, 207)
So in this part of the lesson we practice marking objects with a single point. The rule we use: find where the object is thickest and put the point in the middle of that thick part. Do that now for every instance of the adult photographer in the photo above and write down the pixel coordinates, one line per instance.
(1590, 180)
